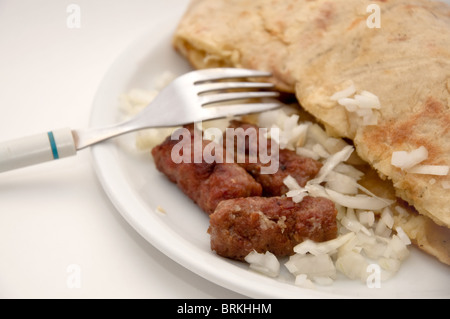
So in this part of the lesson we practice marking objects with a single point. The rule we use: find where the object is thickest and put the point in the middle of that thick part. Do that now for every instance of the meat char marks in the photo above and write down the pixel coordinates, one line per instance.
(276, 224)
(205, 183)
(246, 207)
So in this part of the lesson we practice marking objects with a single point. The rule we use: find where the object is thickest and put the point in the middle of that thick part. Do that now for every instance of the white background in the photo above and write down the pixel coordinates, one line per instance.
(56, 214)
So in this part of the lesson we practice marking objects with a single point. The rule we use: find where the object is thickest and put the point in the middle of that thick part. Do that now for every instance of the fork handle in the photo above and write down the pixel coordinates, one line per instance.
(36, 149)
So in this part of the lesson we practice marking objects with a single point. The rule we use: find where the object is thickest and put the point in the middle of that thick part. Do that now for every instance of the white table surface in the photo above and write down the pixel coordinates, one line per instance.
(56, 223)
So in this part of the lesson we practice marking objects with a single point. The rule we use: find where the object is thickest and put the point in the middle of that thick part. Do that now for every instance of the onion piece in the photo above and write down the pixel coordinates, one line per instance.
(266, 264)
(367, 218)
(396, 249)
(349, 170)
(375, 100)
(331, 163)
(367, 100)
(353, 265)
(291, 183)
(359, 201)
(309, 246)
(382, 230)
(305, 152)
(341, 183)
(323, 280)
(350, 104)
(320, 150)
(389, 264)
(349, 91)
(440, 170)
(303, 281)
(387, 218)
(403, 236)
(297, 195)
(311, 265)
(406, 160)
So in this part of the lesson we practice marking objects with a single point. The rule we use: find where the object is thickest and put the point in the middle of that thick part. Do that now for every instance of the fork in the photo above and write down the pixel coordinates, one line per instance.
(193, 97)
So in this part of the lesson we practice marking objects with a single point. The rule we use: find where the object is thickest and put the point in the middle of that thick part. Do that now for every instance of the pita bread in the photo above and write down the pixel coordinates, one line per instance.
(317, 48)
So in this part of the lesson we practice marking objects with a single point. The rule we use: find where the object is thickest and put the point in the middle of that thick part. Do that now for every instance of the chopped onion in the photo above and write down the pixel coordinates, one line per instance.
(351, 214)
(403, 236)
(300, 133)
(351, 225)
(289, 133)
(341, 183)
(349, 91)
(303, 151)
(349, 171)
(364, 112)
(406, 160)
(372, 246)
(317, 134)
(387, 218)
(266, 264)
(396, 249)
(333, 145)
(332, 162)
(271, 118)
(367, 218)
(375, 100)
(351, 245)
(366, 101)
(361, 104)
(320, 150)
(441, 170)
(303, 281)
(358, 201)
(315, 190)
(323, 280)
(350, 104)
(389, 264)
(353, 265)
(297, 195)
(309, 246)
(291, 183)
(311, 265)
(382, 230)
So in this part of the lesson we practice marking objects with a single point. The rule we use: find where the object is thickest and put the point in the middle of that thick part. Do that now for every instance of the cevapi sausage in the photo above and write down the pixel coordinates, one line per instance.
(274, 224)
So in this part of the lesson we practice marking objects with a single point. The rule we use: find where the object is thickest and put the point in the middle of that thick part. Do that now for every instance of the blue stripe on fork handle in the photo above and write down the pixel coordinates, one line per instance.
(51, 138)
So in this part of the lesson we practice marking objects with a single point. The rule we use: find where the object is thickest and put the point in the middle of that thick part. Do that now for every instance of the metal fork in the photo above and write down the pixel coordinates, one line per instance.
(192, 97)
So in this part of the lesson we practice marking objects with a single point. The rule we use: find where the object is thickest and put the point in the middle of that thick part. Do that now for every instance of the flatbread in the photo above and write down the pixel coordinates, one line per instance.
(316, 48)
(406, 63)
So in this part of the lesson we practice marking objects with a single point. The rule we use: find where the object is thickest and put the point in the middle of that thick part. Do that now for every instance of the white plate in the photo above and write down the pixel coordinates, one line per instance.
(137, 189)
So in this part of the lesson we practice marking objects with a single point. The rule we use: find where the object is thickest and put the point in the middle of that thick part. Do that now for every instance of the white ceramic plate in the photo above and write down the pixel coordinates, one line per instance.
(137, 189)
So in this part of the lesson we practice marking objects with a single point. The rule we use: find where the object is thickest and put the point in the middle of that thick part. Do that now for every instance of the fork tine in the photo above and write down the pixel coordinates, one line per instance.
(209, 87)
(240, 109)
(206, 75)
(225, 97)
